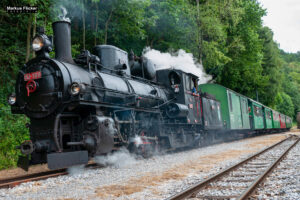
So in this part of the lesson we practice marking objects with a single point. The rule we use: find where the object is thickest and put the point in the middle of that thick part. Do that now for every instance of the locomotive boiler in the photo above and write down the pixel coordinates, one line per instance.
(96, 103)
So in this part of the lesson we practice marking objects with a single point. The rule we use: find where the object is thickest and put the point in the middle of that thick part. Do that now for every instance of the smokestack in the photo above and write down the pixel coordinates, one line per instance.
(62, 41)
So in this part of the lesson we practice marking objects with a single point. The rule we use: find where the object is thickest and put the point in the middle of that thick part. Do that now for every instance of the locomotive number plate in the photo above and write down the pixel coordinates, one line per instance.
(32, 75)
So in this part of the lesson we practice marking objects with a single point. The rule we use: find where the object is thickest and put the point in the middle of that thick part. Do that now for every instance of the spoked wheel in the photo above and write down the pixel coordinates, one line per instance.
(142, 146)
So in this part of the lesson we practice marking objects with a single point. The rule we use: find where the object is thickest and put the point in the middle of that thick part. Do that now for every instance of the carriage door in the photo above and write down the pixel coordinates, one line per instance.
(235, 110)
(245, 113)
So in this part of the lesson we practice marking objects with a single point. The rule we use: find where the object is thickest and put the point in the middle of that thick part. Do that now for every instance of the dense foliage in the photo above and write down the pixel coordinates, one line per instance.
(227, 36)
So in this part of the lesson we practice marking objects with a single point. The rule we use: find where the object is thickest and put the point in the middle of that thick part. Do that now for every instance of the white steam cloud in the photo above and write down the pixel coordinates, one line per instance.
(63, 14)
(74, 170)
(180, 60)
(137, 141)
(120, 159)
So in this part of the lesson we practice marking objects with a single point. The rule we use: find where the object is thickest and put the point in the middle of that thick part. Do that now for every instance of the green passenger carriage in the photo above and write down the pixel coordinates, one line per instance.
(234, 106)
(242, 113)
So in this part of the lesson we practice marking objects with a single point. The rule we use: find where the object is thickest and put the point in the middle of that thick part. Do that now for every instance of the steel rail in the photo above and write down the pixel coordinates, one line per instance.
(198, 186)
(260, 179)
(12, 182)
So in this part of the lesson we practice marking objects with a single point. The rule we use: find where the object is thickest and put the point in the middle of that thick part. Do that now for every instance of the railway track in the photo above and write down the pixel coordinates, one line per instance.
(12, 182)
(242, 179)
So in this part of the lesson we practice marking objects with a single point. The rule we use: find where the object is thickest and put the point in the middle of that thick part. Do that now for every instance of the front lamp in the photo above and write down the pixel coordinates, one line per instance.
(75, 89)
(12, 99)
(37, 43)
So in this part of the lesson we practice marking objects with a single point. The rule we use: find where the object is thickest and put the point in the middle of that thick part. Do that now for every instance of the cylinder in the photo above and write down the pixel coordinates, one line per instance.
(177, 110)
(298, 119)
(62, 41)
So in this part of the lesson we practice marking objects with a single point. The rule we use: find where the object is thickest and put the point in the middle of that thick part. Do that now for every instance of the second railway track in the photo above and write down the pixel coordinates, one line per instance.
(242, 179)
(12, 182)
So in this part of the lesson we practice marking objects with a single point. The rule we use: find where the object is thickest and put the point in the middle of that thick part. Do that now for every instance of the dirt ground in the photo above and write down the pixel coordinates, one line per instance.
(9, 173)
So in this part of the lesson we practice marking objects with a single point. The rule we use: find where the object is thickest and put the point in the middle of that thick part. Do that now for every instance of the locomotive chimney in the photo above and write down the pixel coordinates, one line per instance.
(62, 41)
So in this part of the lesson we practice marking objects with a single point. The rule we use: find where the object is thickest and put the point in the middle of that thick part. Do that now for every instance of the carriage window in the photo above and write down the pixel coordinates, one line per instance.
(256, 111)
(268, 114)
(244, 105)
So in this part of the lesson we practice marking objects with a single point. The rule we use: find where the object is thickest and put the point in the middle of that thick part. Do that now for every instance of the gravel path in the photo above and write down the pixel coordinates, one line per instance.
(128, 178)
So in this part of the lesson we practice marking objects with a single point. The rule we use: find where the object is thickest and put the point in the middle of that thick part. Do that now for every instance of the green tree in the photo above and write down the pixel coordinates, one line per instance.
(271, 64)
(244, 72)
(284, 104)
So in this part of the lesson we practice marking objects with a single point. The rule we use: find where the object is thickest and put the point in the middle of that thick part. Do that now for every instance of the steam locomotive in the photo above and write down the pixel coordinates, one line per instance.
(96, 103)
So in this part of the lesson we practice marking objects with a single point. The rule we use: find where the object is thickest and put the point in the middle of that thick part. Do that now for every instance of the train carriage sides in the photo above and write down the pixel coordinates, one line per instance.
(256, 115)
(211, 114)
(233, 106)
(268, 118)
(291, 122)
(276, 121)
(220, 94)
(288, 122)
(282, 120)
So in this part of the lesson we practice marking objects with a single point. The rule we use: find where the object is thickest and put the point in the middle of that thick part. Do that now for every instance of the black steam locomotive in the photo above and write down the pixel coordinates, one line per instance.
(97, 103)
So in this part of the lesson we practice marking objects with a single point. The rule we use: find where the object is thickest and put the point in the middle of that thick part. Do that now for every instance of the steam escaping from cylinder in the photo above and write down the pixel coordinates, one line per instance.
(74, 170)
(180, 60)
(120, 159)
(137, 141)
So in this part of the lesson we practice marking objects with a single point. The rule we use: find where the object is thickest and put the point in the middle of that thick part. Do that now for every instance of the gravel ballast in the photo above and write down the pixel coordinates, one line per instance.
(284, 181)
(127, 178)
(239, 179)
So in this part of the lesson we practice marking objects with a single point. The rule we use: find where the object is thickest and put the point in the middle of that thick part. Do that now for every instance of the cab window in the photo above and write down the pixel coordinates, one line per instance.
(187, 83)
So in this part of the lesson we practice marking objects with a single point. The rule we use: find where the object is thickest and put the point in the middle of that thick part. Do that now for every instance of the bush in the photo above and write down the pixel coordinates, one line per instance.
(12, 133)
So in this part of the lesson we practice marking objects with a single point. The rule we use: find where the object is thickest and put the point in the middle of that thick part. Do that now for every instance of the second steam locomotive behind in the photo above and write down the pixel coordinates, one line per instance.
(96, 103)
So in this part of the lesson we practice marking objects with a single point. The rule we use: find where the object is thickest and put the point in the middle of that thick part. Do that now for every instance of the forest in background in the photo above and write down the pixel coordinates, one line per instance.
(226, 36)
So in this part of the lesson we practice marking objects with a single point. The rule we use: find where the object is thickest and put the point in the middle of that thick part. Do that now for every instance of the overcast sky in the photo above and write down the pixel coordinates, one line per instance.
(283, 17)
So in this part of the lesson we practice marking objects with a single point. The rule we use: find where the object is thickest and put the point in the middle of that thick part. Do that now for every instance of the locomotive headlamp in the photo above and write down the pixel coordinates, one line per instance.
(42, 44)
(37, 43)
(12, 99)
(75, 89)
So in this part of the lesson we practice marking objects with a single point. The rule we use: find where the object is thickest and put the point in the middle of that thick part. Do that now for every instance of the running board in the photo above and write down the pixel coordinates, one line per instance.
(67, 159)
